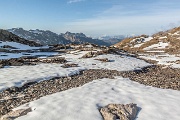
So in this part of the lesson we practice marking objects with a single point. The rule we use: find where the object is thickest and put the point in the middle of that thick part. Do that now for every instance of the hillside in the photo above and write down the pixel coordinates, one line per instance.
(47, 37)
(164, 41)
(10, 37)
(161, 48)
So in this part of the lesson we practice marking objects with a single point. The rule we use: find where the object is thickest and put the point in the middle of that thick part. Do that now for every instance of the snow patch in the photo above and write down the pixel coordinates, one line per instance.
(160, 45)
(144, 41)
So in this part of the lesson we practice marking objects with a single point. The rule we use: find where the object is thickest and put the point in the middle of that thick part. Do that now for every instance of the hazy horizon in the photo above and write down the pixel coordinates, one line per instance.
(91, 17)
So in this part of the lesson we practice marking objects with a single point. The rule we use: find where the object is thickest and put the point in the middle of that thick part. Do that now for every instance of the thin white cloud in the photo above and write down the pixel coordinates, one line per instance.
(126, 25)
(120, 20)
(74, 1)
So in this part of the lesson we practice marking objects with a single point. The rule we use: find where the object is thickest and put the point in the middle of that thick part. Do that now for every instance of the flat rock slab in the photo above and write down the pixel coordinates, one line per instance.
(119, 111)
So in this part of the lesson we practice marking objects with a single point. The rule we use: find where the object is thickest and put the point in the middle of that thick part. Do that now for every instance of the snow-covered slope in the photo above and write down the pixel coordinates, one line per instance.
(16, 46)
(12, 46)
(15, 50)
(167, 41)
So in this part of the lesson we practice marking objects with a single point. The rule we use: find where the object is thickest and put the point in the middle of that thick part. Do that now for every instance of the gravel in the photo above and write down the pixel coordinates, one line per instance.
(156, 76)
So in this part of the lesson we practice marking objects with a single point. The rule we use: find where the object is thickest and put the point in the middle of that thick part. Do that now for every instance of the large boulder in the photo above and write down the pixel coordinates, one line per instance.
(119, 111)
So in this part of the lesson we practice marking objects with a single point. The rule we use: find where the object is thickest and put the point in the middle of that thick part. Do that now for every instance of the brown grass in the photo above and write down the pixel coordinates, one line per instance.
(173, 48)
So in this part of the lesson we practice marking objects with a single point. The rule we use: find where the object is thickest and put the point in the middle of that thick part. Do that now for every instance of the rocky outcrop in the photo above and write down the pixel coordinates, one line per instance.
(119, 111)
(15, 114)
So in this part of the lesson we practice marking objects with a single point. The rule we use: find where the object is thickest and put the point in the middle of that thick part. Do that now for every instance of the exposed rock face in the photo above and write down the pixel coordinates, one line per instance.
(82, 38)
(119, 111)
(15, 114)
(8, 36)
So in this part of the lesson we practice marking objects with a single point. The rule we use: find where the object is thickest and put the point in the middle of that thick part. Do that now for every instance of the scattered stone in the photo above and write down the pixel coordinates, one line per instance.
(119, 111)
(33, 91)
(69, 65)
(94, 54)
(156, 76)
(103, 59)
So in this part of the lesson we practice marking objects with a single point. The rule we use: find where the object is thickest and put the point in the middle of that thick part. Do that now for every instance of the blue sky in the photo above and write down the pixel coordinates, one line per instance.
(92, 17)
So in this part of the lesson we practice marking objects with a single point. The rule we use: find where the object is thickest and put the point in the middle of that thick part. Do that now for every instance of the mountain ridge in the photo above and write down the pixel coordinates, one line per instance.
(47, 37)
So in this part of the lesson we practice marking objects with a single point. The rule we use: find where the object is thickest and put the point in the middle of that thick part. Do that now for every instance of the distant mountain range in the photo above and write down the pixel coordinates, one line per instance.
(46, 37)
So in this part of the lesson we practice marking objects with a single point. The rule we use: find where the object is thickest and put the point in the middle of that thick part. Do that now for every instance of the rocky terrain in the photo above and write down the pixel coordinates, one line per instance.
(155, 76)
(164, 41)
(159, 76)
(162, 47)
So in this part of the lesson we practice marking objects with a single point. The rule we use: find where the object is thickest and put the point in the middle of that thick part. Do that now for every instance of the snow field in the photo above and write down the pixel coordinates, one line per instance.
(82, 103)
